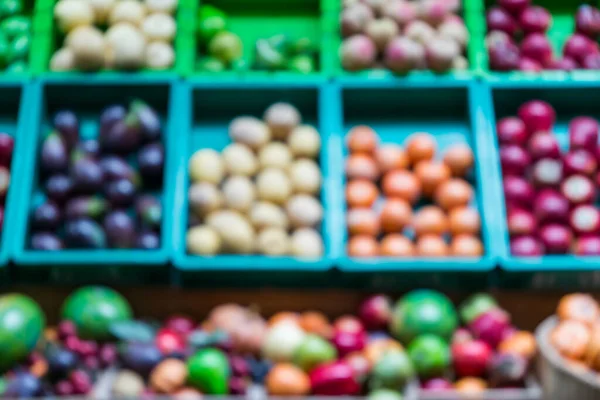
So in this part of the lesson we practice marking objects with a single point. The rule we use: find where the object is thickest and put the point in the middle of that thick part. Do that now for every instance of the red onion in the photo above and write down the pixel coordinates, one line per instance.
(563, 64)
(537, 116)
(489, 326)
(543, 145)
(526, 246)
(498, 19)
(583, 133)
(514, 160)
(551, 206)
(529, 65)
(521, 222)
(587, 246)
(375, 312)
(580, 162)
(547, 172)
(577, 47)
(537, 47)
(556, 238)
(504, 56)
(535, 19)
(591, 61)
(578, 189)
(511, 130)
(585, 220)
(518, 191)
(514, 6)
(587, 20)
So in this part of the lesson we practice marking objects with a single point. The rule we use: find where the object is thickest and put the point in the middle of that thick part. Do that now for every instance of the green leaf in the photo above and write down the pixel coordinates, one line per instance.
(199, 339)
(133, 331)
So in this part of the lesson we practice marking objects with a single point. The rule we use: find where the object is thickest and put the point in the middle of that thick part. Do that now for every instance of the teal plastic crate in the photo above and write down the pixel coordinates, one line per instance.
(204, 120)
(259, 19)
(14, 102)
(449, 110)
(570, 99)
(87, 98)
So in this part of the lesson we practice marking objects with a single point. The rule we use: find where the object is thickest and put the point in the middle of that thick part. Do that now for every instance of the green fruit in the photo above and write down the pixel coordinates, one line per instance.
(423, 311)
(18, 67)
(385, 394)
(301, 46)
(226, 46)
(476, 305)
(21, 325)
(239, 65)
(268, 57)
(392, 371)
(18, 49)
(210, 64)
(211, 21)
(208, 371)
(14, 26)
(303, 64)
(3, 50)
(10, 7)
(93, 309)
(430, 355)
(313, 351)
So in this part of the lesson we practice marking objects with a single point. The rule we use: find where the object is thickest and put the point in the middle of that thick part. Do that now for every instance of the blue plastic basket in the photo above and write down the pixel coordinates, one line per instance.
(570, 98)
(88, 98)
(209, 107)
(448, 109)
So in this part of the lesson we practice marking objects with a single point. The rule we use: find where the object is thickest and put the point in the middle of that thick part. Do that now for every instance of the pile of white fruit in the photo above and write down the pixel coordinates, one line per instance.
(115, 34)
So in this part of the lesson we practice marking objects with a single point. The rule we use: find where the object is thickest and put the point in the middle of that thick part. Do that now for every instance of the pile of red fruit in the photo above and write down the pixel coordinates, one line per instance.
(403, 35)
(549, 194)
(444, 222)
(512, 20)
(6, 153)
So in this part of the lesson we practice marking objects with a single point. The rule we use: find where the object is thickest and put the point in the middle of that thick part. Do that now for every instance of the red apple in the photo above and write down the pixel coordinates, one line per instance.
(348, 342)
(334, 379)
(471, 358)
(168, 341)
(180, 324)
(375, 312)
(490, 325)
(348, 323)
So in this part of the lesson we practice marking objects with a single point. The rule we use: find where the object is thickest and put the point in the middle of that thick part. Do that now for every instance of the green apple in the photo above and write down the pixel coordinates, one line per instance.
(314, 350)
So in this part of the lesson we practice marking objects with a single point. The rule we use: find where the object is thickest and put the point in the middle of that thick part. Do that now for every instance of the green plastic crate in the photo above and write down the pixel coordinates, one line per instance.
(563, 26)
(468, 14)
(258, 19)
(88, 98)
(48, 39)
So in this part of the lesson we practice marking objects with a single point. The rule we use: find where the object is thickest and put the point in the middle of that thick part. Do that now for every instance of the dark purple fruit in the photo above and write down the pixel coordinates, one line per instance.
(84, 233)
(46, 216)
(67, 125)
(122, 137)
(46, 241)
(92, 207)
(89, 148)
(120, 230)
(81, 381)
(115, 167)
(7, 145)
(148, 241)
(54, 155)
(149, 210)
(151, 159)
(64, 388)
(140, 357)
(108, 354)
(148, 121)
(4, 181)
(120, 193)
(60, 361)
(58, 188)
(237, 385)
(87, 176)
(111, 115)
(23, 385)
(507, 370)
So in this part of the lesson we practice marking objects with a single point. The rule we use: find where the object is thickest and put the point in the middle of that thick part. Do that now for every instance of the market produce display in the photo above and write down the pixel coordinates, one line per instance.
(7, 145)
(576, 337)
(115, 35)
(518, 38)
(235, 350)
(260, 194)
(403, 35)
(221, 49)
(15, 35)
(550, 193)
(100, 192)
(411, 201)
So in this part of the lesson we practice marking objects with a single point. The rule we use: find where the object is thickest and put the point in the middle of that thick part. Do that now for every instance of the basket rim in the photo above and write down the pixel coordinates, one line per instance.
(549, 353)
